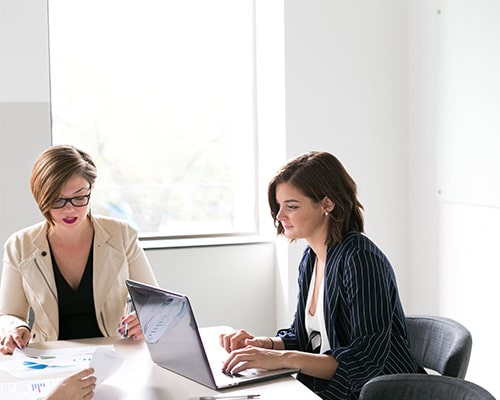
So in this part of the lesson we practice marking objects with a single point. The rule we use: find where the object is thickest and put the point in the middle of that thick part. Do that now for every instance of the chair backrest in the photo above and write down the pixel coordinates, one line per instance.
(440, 344)
(422, 387)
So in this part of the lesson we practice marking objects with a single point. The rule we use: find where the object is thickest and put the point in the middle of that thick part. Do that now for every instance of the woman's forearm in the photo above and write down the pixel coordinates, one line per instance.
(321, 366)
(318, 365)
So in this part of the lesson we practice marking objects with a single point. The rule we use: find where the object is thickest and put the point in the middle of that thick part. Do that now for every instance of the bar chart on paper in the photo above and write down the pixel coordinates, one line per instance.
(34, 390)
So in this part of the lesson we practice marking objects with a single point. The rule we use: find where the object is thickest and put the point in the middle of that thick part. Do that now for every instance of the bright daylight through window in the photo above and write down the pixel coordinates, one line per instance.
(161, 93)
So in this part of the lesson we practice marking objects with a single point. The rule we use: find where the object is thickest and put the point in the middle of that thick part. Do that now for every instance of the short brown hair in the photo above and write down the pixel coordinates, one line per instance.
(318, 175)
(53, 168)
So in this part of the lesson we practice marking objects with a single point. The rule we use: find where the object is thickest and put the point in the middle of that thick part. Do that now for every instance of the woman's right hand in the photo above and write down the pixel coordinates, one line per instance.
(79, 386)
(241, 338)
(17, 338)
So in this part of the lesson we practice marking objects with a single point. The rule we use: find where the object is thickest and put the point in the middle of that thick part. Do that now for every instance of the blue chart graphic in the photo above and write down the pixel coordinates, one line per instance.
(160, 317)
(36, 365)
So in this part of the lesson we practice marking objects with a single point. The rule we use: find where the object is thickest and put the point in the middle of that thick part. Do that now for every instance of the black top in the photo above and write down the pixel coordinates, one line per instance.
(77, 318)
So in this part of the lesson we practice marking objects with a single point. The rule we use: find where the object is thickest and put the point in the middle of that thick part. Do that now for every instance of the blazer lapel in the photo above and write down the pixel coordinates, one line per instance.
(332, 291)
(107, 262)
(38, 273)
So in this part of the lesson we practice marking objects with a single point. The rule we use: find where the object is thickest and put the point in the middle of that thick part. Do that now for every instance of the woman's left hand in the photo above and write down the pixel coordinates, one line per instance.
(254, 357)
(129, 327)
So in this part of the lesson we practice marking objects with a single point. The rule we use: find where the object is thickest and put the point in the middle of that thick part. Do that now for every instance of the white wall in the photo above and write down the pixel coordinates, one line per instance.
(24, 107)
(424, 216)
(227, 285)
(346, 93)
(468, 125)
(454, 86)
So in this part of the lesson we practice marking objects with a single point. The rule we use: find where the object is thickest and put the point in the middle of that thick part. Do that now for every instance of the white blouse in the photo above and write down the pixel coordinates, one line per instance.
(316, 322)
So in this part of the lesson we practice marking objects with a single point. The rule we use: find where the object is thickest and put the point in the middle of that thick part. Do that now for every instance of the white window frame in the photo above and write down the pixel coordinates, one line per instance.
(270, 138)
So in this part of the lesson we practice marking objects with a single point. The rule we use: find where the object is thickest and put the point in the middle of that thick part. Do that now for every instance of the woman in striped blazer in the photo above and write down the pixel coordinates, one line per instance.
(349, 324)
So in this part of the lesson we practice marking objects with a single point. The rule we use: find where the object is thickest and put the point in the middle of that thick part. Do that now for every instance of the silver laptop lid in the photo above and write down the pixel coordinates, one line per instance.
(171, 332)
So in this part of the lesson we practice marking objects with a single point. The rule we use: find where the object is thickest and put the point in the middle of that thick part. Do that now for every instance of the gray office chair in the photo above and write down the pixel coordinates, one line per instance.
(422, 387)
(440, 344)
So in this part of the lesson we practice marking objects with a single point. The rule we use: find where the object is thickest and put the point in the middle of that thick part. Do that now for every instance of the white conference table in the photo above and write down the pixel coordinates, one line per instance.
(138, 378)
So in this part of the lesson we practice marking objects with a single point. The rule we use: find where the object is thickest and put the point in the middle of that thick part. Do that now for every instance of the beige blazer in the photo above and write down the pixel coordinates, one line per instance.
(28, 277)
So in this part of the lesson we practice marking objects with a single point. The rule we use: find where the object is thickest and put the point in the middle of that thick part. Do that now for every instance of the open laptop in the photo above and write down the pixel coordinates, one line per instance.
(175, 342)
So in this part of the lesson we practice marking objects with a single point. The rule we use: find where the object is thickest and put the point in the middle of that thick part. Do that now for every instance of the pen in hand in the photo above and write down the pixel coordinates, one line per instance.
(128, 309)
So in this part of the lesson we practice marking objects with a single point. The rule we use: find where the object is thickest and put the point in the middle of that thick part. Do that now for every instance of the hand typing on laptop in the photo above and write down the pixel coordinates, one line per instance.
(248, 351)
(239, 339)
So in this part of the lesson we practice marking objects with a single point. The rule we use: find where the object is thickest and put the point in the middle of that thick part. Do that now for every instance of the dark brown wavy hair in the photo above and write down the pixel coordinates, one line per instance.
(318, 174)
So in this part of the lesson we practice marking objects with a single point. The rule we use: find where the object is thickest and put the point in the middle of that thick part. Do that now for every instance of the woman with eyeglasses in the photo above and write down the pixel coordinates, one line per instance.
(349, 324)
(71, 268)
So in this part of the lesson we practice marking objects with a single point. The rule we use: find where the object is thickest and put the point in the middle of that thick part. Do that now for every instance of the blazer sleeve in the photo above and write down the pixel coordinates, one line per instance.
(13, 304)
(139, 267)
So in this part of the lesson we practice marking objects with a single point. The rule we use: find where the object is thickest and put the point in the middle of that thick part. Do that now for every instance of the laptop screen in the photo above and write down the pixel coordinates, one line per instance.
(170, 331)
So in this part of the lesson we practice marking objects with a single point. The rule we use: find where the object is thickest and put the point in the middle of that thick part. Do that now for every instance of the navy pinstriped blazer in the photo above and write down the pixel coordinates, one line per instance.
(365, 321)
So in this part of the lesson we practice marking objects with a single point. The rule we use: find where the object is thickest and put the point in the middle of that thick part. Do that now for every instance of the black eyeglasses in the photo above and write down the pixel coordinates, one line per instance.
(77, 201)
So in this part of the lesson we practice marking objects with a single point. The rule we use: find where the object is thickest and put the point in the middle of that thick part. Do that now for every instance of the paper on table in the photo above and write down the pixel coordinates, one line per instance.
(36, 363)
(23, 390)
(105, 363)
(103, 359)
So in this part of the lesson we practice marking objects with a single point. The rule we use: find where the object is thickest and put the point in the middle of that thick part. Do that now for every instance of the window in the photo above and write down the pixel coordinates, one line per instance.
(161, 93)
